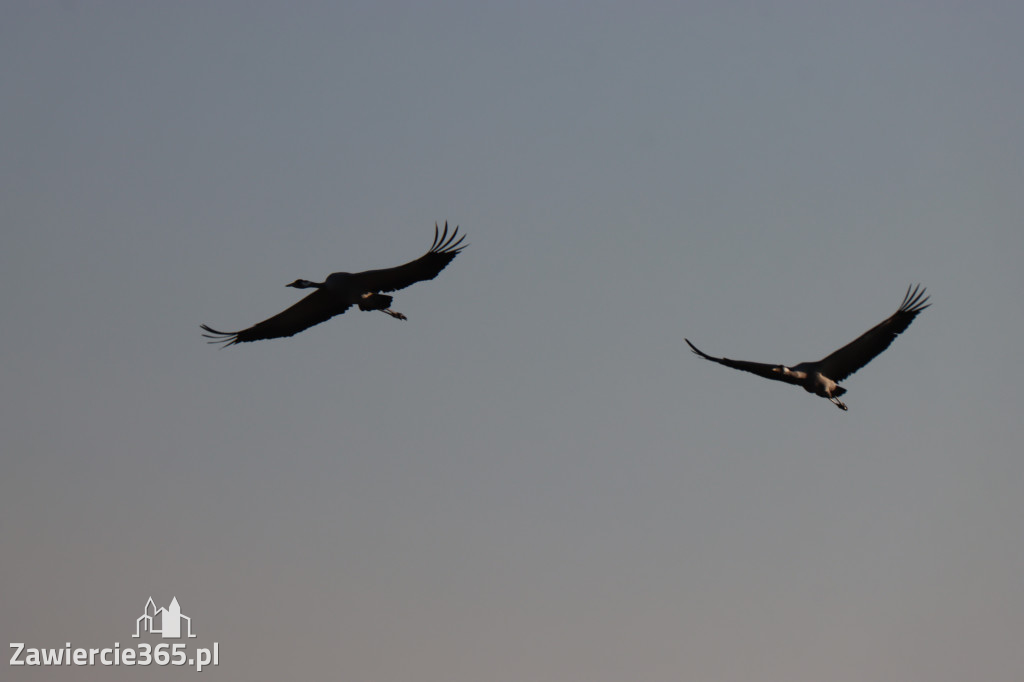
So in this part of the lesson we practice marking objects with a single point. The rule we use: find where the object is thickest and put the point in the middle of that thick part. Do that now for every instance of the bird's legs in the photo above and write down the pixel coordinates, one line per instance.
(376, 301)
(838, 403)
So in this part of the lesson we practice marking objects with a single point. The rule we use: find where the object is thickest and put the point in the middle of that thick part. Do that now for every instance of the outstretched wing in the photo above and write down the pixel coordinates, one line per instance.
(318, 307)
(871, 343)
(759, 368)
(441, 253)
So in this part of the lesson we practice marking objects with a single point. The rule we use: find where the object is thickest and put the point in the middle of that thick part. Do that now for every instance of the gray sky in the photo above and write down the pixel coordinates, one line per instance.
(532, 478)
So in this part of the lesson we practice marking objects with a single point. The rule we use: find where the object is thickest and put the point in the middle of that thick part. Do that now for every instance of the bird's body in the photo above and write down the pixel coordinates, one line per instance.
(342, 290)
(813, 382)
(822, 377)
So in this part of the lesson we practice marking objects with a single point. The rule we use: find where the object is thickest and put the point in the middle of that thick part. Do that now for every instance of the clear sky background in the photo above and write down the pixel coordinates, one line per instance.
(532, 479)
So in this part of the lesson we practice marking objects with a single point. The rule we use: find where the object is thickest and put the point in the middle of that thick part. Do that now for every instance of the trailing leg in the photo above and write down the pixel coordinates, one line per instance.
(381, 302)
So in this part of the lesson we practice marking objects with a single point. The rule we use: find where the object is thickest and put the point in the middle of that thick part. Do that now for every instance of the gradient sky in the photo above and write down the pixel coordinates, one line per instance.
(532, 479)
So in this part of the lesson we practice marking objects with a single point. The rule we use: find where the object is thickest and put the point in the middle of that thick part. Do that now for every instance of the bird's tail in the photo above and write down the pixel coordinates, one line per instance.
(375, 302)
(838, 391)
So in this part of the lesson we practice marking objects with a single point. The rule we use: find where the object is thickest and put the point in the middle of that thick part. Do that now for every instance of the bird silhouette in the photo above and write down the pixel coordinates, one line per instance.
(341, 290)
(823, 377)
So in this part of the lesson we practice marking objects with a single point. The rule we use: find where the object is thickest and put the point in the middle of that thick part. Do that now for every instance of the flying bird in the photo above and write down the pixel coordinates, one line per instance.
(823, 377)
(341, 290)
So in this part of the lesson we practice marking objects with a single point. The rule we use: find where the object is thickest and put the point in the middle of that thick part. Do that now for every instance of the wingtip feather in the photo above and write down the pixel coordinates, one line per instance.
(445, 243)
(226, 338)
(915, 300)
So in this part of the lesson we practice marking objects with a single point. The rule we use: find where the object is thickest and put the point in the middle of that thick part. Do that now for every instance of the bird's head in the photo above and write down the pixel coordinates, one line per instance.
(302, 284)
(781, 369)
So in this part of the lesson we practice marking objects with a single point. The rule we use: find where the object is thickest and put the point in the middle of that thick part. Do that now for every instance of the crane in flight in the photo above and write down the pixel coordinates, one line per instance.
(823, 377)
(341, 290)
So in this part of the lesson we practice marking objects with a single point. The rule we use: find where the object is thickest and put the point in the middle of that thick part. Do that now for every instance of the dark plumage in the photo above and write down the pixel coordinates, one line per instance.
(342, 290)
(822, 377)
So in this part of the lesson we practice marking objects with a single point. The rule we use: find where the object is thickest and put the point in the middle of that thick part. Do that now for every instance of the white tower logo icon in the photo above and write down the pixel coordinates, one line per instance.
(165, 622)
